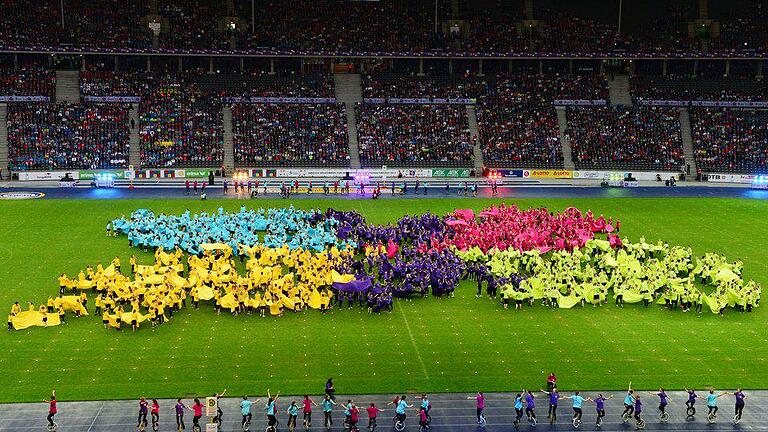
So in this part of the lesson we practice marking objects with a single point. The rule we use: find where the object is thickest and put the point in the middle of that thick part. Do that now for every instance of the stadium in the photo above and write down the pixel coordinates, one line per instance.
(457, 215)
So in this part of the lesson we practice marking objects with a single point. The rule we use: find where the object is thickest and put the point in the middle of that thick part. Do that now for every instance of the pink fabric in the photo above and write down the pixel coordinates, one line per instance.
(392, 249)
(504, 226)
(466, 214)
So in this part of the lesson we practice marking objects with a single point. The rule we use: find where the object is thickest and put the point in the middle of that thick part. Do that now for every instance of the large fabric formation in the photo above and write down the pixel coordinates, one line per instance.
(33, 318)
(634, 272)
(286, 226)
(276, 279)
(506, 227)
(310, 259)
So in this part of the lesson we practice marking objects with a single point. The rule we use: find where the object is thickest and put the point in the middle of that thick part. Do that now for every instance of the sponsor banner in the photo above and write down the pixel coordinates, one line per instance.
(731, 178)
(91, 174)
(276, 100)
(197, 172)
(342, 172)
(420, 101)
(589, 174)
(20, 195)
(115, 99)
(704, 103)
(548, 174)
(451, 172)
(24, 99)
(510, 173)
(579, 102)
(638, 175)
(46, 175)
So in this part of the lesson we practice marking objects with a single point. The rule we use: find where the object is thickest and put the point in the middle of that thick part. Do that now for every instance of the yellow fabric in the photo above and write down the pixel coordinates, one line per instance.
(339, 278)
(71, 304)
(28, 319)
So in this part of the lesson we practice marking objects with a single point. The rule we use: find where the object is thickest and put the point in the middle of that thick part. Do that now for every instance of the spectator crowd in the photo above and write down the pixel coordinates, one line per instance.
(421, 135)
(290, 135)
(625, 138)
(181, 125)
(393, 26)
(730, 140)
(27, 81)
(58, 136)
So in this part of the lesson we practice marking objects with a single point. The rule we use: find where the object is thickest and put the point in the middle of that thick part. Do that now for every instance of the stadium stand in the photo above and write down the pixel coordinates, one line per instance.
(413, 135)
(56, 136)
(181, 124)
(290, 135)
(625, 138)
(517, 120)
(730, 140)
(682, 88)
(27, 81)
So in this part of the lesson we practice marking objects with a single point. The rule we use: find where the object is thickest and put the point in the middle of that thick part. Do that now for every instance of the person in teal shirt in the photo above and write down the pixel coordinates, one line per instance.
(328, 404)
(518, 408)
(401, 406)
(271, 407)
(293, 411)
(712, 402)
(578, 400)
(348, 410)
(245, 410)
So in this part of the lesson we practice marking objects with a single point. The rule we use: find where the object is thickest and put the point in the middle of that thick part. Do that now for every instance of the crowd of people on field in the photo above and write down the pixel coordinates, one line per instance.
(54, 136)
(290, 134)
(620, 137)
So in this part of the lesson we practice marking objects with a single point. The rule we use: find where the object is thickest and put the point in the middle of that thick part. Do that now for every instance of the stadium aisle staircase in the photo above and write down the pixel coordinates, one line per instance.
(68, 86)
(229, 143)
(685, 134)
(4, 138)
(134, 141)
(565, 143)
(477, 149)
(349, 90)
(618, 89)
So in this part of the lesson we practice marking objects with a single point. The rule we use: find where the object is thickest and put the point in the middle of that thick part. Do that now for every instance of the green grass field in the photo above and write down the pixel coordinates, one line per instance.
(435, 345)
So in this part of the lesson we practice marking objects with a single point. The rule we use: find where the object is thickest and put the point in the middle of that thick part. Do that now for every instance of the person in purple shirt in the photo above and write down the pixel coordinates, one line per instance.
(179, 414)
(663, 402)
(554, 397)
(638, 407)
(740, 396)
(530, 406)
(480, 398)
(690, 408)
(600, 408)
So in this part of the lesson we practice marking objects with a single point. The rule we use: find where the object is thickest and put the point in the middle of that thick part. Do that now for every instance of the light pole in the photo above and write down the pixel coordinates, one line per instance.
(61, 4)
(253, 17)
(618, 31)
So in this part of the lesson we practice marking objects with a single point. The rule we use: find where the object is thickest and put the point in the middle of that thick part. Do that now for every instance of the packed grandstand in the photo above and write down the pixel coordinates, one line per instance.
(500, 84)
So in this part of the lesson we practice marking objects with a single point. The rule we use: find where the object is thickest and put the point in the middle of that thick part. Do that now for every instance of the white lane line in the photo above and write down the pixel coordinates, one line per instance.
(413, 341)
(95, 417)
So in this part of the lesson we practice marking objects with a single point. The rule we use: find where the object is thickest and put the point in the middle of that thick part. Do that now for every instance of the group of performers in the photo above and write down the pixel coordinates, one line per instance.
(309, 259)
(636, 272)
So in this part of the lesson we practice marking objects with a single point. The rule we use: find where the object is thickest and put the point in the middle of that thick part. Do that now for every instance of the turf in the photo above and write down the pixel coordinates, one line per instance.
(437, 345)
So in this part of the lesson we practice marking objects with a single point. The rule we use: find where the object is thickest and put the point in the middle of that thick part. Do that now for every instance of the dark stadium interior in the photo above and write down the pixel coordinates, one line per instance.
(671, 84)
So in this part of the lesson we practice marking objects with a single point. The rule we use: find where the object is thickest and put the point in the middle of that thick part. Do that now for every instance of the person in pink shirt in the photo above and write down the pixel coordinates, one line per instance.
(197, 409)
(372, 413)
(52, 410)
(480, 398)
(307, 408)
